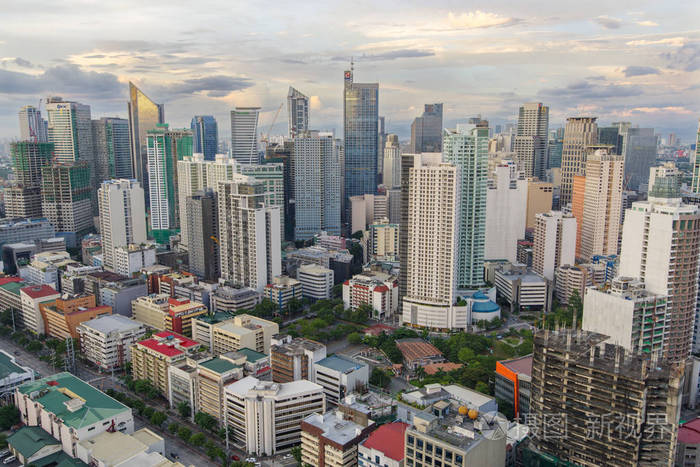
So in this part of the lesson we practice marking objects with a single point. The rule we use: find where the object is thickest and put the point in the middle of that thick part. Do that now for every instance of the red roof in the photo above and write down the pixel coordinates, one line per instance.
(433, 368)
(521, 366)
(7, 280)
(381, 288)
(167, 347)
(415, 349)
(377, 329)
(39, 291)
(184, 341)
(176, 302)
(388, 439)
(689, 432)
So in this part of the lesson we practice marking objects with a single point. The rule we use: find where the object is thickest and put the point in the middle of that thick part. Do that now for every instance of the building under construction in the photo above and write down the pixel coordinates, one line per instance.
(594, 403)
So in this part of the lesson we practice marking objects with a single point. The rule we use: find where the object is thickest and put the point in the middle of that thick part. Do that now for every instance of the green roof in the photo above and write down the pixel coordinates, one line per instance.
(28, 440)
(216, 317)
(8, 367)
(251, 355)
(218, 365)
(59, 459)
(13, 287)
(54, 391)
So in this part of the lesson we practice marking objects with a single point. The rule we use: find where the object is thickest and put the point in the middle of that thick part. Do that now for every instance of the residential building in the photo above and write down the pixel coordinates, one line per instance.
(231, 299)
(579, 133)
(367, 208)
(22, 202)
(530, 143)
(162, 312)
(223, 333)
(506, 212)
(120, 293)
(554, 243)
(513, 384)
(361, 136)
(62, 316)
(30, 298)
(106, 341)
(44, 267)
(11, 299)
(376, 289)
(316, 281)
(539, 200)
(576, 278)
(202, 219)
(110, 138)
(467, 148)
(639, 148)
(32, 127)
(271, 175)
(652, 395)
(392, 162)
(298, 112)
(144, 115)
(244, 135)
(688, 444)
(265, 417)
(122, 219)
(578, 200)
(205, 136)
(384, 447)
(282, 290)
(151, 358)
(28, 160)
(340, 376)
(25, 230)
(129, 260)
(12, 375)
(293, 359)
(213, 375)
(384, 237)
(182, 385)
(521, 288)
(426, 130)
(331, 439)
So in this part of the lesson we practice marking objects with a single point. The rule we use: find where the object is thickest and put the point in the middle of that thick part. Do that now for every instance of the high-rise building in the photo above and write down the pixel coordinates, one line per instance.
(165, 147)
(661, 246)
(602, 204)
(244, 134)
(298, 112)
(271, 175)
(554, 150)
(392, 162)
(28, 159)
(467, 148)
(317, 184)
(585, 419)
(202, 218)
(361, 128)
(249, 234)
(112, 149)
(530, 142)
(205, 136)
(506, 210)
(611, 136)
(426, 130)
(579, 133)
(578, 198)
(539, 200)
(144, 115)
(122, 217)
(66, 200)
(32, 127)
(639, 148)
(695, 186)
(381, 142)
(554, 243)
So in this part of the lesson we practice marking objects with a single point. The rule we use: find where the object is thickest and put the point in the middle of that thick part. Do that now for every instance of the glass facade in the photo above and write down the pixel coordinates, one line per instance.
(205, 136)
(144, 115)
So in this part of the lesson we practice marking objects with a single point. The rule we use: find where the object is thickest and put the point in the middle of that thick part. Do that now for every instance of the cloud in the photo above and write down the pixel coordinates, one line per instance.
(23, 63)
(647, 23)
(685, 58)
(668, 109)
(608, 22)
(673, 41)
(640, 71)
(315, 102)
(479, 19)
(394, 54)
(214, 86)
(60, 79)
(582, 90)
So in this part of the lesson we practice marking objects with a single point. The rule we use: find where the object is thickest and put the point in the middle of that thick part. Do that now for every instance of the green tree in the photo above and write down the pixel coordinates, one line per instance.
(148, 412)
(466, 355)
(140, 406)
(35, 346)
(184, 433)
(9, 416)
(296, 453)
(183, 408)
(294, 306)
(205, 421)
(197, 439)
(355, 338)
(158, 418)
(379, 378)
(482, 387)
(173, 427)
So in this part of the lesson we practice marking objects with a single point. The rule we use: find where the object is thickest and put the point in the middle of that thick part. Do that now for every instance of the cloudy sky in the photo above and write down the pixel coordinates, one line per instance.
(637, 61)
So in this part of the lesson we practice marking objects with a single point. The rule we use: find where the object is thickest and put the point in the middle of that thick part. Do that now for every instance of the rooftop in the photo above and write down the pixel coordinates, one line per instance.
(379, 328)
(434, 368)
(13, 287)
(388, 439)
(39, 291)
(28, 440)
(218, 365)
(416, 348)
(168, 343)
(249, 354)
(688, 433)
(334, 427)
(297, 346)
(8, 366)
(340, 364)
(213, 318)
(111, 323)
(251, 386)
(521, 365)
(9, 279)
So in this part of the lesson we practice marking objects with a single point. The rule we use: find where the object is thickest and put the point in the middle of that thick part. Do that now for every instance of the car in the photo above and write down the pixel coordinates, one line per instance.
(174, 455)
(235, 457)
(9, 460)
(4, 452)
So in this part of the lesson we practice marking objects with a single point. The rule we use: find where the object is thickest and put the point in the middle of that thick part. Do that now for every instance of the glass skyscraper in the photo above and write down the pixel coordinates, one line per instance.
(112, 150)
(144, 115)
(205, 136)
(298, 110)
(426, 130)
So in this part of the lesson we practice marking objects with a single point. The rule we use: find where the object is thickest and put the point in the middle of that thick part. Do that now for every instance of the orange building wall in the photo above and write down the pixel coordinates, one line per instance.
(511, 376)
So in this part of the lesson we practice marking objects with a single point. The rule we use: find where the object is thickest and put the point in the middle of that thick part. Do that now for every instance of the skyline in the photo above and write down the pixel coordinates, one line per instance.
(623, 64)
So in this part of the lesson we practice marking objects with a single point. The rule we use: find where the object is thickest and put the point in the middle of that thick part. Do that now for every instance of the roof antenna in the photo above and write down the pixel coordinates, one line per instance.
(352, 65)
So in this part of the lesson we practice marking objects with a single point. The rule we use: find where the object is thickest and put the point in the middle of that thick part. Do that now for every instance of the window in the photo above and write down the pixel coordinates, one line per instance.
(458, 459)
(438, 451)
(429, 447)
(410, 440)
(419, 444)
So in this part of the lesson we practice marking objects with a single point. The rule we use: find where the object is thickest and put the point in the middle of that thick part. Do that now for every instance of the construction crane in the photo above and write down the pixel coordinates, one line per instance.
(266, 137)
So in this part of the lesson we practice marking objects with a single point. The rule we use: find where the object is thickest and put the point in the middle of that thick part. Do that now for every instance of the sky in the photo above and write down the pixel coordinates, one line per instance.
(636, 61)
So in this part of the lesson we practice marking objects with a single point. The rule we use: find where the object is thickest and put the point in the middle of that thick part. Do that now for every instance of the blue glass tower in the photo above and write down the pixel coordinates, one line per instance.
(205, 136)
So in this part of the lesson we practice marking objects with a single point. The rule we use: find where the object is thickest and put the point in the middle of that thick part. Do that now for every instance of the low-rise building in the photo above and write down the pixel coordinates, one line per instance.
(316, 281)
(435, 392)
(213, 375)
(688, 446)
(182, 385)
(31, 297)
(160, 311)
(377, 289)
(32, 444)
(339, 376)
(106, 341)
(63, 315)
(253, 363)
(384, 447)
(129, 260)
(521, 288)
(222, 333)
(44, 268)
(575, 278)
(282, 290)
(10, 298)
(418, 352)
(293, 359)
(12, 375)
(513, 381)
(143, 448)
(331, 440)
(231, 299)
(265, 417)
(384, 238)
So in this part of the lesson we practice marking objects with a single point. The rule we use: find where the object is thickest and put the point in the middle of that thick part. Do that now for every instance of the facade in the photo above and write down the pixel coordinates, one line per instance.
(639, 149)
(30, 298)
(576, 278)
(367, 208)
(62, 316)
(530, 143)
(391, 175)
(44, 268)
(331, 439)
(66, 199)
(688, 444)
(384, 238)
(298, 112)
(244, 134)
(579, 133)
(129, 260)
(377, 289)
(383, 447)
(22, 203)
(340, 376)
(578, 200)
(32, 127)
(110, 138)
(271, 175)
(122, 217)
(513, 384)
(316, 281)
(467, 148)
(213, 375)
(12, 374)
(28, 160)
(554, 243)
(223, 335)
(162, 312)
(230, 299)
(695, 184)
(521, 288)
(293, 359)
(539, 200)
(25, 230)
(317, 180)
(282, 290)
(106, 341)
(144, 115)
(506, 212)
(426, 130)
(205, 136)
(202, 219)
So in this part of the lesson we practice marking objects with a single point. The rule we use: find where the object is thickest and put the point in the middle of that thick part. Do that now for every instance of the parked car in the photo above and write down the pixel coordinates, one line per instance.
(9, 460)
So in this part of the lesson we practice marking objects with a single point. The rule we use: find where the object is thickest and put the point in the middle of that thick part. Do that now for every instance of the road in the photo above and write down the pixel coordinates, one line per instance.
(187, 455)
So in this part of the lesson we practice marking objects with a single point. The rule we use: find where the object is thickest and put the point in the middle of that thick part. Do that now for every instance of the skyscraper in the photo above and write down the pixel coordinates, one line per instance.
(361, 128)
(530, 142)
(426, 130)
(639, 148)
(467, 148)
(122, 217)
(112, 149)
(202, 219)
(298, 112)
(381, 142)
(554, 243)
(611, 136)
(317, 182)
(66, 199)
(695, 184)
(24, 198)
(144, 115)
(244, 134)
(32, 127)
(579, 133)
(506, 212)
(205, 136)
(392, 162)
(272, 177)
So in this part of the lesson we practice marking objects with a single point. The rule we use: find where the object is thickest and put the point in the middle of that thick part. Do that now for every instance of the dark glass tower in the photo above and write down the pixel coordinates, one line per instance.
(205, 135)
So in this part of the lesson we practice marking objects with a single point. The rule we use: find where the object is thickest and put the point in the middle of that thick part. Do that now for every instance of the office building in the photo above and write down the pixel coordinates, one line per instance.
(331, 439)
(265, 417)
(539, 200)
(27, 230)
(611, 136)
(392, 162)
(70, 131)
(62, 316)
(513, 384)
(66, 200)
(384, 447)
(639, 149)
(576, 278)
(244, 135)
(231, 299)
(578, 201)
(32, 127)
(130, 259)
(530, 143)
(110, 137)
(361, 128)
(579, 133)
(23, 200)
(316, 281)
(271, 175)
(162, 312)
(521, 288)
(44, 267)
(647, 426)
(202, 220)
(554, 244)
(555, 146)
(340, 376)
(367, 208)
(467, 148)
(122, 217)
(222, 332)
(298, 112)
(144, 115)
(293, 359)
(213, 375)
(205, 136)
(249, 235)
(426, 130)
(282, 290)
(106, 341)
(31, 296)
(143, 447)
(506, 212)
(384, 240)
(376, 289)
(317, 183)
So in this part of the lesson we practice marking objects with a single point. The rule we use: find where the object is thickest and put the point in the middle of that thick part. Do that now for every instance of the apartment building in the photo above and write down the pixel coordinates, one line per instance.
(316, 281)
(377, 289)
(30, 298)
(331, 439)
(162, 312)
(106, 341)
(293, 359)
(554, 243)
(62, 316)
(213, 375)
(223, 333)
(340, 376)
(571, 278)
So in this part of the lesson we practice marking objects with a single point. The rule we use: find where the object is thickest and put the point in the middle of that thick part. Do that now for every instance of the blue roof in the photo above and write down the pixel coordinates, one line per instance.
(485, 307)
(479, 295)
(340, 363)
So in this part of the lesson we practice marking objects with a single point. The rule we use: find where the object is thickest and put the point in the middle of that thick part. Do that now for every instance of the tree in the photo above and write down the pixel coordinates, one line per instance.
(205, 421)
(379, 378)
(294, 306)
(139, 405)
(9, 416)
(35, 346)
(158, 418)
(148, 412)
(465, 355)
(184, 433)
(197, 439)
(355, 338)
(575, 307)
(482, 388)
(183, 408)
(296, 453)
(173, 427)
